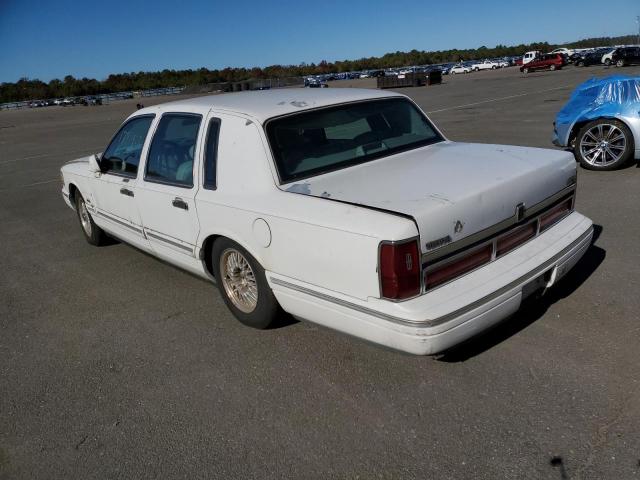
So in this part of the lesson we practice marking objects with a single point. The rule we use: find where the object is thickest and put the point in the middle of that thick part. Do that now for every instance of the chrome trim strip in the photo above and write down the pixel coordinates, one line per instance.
(445, 318)
(175, 244)
(120, 222)
(494, 229)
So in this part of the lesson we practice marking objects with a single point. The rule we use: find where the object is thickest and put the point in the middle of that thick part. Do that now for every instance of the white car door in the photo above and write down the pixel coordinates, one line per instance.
(165, 192)
(115, 187)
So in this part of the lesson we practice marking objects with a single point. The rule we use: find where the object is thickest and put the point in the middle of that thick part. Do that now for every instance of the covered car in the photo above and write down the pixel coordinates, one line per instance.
(601, 122)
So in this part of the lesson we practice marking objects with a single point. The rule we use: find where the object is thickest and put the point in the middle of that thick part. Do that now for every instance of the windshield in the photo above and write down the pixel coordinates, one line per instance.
(320, 141)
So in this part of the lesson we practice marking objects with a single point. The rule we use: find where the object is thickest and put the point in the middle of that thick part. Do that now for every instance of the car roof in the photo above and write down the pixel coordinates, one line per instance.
(265, 104)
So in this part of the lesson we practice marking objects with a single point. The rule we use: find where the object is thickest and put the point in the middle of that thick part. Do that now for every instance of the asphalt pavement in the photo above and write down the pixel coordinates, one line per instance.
(114, 365)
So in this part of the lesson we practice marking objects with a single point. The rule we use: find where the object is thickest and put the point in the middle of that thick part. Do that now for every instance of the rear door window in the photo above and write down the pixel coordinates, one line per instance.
(172, 150)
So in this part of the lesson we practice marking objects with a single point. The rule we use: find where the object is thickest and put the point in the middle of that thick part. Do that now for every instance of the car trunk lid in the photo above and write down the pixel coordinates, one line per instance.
(451, 190)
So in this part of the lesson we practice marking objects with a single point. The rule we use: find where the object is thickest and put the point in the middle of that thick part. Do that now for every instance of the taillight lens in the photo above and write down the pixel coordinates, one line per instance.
(400, 270)
(458, 267)
(555, 214)
(513, 239)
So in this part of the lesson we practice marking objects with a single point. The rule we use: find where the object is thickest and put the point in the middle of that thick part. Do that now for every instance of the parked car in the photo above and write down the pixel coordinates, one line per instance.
(586, 59)
(484, 65)
(459, 69)
(419, 257)
(607, 57)
(601, 122)
(563, 50)
(626, 56)
(544, 62)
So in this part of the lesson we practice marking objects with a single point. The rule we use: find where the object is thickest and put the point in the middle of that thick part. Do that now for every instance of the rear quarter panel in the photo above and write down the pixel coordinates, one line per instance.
(317, 241)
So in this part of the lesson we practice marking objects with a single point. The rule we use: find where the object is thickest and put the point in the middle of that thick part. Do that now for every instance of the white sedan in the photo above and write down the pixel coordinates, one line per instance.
(459, 69)
(344, 207)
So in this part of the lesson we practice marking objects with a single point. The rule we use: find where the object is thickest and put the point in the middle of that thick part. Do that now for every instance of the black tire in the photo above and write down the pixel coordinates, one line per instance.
(525, 70)
(93, 234)
(620, 63)
(607, 62)
(581, 64)
(266, 309)
(552, 67)
(627, 153)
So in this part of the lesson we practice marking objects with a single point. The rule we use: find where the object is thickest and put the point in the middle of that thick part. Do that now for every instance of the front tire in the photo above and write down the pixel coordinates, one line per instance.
(525, 70)
(620, 63)
(552, 68)
(604, 144)
(92, 233)
(243, 285)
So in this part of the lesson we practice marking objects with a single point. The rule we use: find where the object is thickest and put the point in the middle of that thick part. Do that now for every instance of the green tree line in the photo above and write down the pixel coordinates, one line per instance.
(32, 89)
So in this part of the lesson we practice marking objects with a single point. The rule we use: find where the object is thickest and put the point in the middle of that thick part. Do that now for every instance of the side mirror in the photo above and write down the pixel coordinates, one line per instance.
(94, 164)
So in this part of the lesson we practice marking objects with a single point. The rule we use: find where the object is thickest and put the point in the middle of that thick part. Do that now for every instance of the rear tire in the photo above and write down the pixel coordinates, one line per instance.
(552, 68)
(604, 144)
(243, 285)
(93, 234)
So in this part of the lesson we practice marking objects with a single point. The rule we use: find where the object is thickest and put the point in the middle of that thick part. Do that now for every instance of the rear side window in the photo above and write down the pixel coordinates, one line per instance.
(172, 150)
(122, 156)
(211, 155)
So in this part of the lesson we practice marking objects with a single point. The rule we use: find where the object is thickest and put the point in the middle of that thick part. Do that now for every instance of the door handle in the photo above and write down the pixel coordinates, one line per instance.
(179, 203)
(127, 192)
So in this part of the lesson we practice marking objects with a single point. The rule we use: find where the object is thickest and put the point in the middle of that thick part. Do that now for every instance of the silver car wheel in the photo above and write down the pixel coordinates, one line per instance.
(603, 145)
(85, 220)
(238, 280)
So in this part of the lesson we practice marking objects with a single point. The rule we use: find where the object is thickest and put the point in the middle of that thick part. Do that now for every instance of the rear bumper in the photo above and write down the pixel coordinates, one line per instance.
(453, 313)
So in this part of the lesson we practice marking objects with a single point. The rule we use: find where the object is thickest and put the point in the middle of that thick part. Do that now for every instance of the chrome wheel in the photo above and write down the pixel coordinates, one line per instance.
(85, 220)
(238, 280)
(603, 145)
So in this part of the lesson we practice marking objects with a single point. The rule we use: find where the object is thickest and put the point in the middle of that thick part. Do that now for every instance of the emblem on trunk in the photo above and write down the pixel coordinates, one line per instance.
(458, 227)
(438, 242)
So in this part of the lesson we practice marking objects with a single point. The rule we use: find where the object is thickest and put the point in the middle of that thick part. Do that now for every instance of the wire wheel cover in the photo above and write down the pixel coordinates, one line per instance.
(238, 280)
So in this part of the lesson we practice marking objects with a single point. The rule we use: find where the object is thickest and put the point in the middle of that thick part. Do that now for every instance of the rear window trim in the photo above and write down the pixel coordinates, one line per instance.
(386, 153)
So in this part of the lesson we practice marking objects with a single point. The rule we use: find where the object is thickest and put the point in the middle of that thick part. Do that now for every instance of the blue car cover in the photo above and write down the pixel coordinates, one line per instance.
(596, 98)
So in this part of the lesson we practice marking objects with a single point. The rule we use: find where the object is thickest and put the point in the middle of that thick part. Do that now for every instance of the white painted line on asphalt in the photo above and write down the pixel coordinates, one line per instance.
(42, 155)
(499, 99)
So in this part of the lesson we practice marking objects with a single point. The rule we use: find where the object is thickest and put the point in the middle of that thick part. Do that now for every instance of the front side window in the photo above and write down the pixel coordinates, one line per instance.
(320, 141)
(122, 156)
(172, 150)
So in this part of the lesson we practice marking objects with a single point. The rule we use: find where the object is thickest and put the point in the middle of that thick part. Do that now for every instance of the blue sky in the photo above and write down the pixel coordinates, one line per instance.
(50, 39)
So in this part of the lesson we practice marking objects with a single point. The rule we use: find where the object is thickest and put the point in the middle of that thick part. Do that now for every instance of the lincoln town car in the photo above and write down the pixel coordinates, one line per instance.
(343, 207)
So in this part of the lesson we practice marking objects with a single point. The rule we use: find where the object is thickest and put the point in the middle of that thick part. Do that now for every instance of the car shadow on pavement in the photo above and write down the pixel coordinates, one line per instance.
(531, 309)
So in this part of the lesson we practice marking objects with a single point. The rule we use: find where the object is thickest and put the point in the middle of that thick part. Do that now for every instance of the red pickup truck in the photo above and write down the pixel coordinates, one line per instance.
(553, 61)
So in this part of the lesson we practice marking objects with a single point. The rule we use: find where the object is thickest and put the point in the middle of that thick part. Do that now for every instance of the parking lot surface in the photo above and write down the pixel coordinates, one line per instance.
(116, 365)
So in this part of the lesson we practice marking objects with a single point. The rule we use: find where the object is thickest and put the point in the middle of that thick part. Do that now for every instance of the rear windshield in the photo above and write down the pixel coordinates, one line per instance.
(320, 141)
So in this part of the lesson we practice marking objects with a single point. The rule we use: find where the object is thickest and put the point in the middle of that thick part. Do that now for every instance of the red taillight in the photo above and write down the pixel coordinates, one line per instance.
(458, 267)
(400, 270)
(555, 214)
(511, 240)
